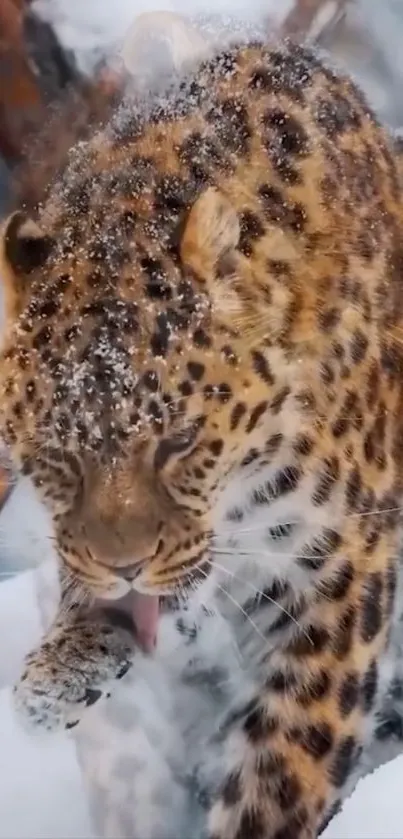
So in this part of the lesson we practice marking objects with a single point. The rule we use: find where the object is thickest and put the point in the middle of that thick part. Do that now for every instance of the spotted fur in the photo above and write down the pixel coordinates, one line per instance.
(202, 373)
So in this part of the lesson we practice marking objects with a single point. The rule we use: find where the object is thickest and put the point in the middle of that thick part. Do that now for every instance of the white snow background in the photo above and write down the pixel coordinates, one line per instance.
(41, 792)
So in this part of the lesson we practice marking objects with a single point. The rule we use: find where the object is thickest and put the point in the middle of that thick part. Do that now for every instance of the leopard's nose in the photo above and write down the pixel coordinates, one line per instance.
(130, 572)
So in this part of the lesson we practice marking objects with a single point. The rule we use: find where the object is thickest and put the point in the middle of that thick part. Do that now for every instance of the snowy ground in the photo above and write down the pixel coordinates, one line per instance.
(41, 793)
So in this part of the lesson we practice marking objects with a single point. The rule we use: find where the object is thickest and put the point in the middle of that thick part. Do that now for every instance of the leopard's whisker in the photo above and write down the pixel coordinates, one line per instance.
(262, 594)
(237, 605)
(375, 512)
(268, 554)
(254, 529)
(291, 522)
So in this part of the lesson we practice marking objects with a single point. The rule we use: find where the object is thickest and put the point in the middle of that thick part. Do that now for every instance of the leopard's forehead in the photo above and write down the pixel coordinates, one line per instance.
(107, 365)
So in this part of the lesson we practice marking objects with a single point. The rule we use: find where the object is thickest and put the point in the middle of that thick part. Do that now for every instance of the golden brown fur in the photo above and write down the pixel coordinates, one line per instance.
(236, 254)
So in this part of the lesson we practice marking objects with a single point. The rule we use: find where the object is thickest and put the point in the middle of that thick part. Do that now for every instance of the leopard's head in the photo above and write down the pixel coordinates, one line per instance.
(133, 403)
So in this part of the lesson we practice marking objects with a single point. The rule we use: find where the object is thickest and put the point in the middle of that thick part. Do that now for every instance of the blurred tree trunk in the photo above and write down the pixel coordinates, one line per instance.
(316, 15)
(45, 104)
(19, 94)
(34, 70)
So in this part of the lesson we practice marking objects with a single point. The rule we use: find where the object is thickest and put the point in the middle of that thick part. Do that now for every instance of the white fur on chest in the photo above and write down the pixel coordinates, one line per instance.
(266, 539)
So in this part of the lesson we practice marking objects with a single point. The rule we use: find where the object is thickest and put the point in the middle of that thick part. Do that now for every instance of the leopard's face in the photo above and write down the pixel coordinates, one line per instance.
(130, 417)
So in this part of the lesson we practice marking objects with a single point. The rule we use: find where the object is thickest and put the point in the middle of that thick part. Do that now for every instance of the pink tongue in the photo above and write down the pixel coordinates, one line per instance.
(145, 617)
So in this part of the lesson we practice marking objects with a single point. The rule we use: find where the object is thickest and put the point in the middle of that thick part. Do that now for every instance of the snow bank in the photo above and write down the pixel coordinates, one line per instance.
(41, 791)
(20, 627)
(25, 531)
(375, 810)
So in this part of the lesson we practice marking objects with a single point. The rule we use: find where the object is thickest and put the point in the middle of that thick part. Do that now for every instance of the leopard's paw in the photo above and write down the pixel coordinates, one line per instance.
(69, 672)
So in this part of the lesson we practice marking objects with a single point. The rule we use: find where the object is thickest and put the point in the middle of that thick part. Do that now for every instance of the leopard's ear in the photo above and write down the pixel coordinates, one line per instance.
(209, 249)
(211, 233)
(23, 249)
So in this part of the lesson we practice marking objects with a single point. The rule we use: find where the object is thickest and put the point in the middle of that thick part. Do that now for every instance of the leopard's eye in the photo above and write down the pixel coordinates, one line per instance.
(177, 445)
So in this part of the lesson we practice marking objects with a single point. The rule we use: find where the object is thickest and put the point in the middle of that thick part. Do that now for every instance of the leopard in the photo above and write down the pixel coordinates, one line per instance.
(201, 372)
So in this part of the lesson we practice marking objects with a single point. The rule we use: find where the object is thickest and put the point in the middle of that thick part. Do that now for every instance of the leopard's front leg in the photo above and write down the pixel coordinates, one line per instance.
(72, 668)
(290, 755)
